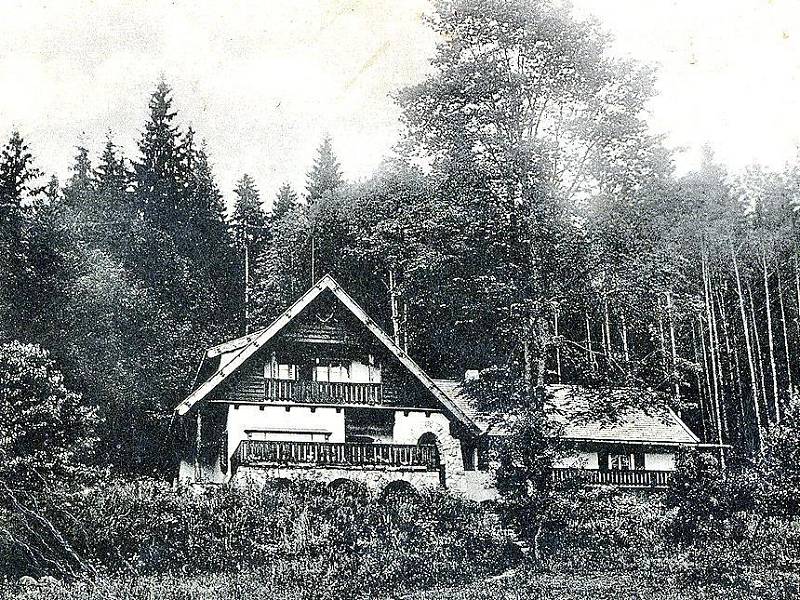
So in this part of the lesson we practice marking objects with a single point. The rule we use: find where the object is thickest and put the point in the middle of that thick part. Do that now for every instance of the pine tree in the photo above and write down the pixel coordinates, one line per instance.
(81, 183)
(285, 200)
(111, 175)
(18, 188)
(325, 176)
(249, 221)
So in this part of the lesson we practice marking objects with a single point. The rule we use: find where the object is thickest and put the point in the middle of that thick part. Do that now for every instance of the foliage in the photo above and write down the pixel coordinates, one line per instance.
(780, 465)
(701, 495)
(45, 428)
(325, 175)
(305, 531)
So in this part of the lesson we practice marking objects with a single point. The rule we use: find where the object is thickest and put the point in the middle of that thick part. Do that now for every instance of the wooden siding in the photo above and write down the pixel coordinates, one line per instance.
(323, 454)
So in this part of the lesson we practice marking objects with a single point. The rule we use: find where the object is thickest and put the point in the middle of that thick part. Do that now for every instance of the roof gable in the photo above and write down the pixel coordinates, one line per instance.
(235, 352)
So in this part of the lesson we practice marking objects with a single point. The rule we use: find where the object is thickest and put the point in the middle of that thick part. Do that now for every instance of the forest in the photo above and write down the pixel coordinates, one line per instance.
(528, 221)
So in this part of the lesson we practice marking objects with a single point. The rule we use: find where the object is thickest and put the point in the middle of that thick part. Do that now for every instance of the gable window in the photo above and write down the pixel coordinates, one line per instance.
(332, 370)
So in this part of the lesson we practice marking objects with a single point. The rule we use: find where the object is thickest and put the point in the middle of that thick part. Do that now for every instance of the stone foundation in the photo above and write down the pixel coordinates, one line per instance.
(373, 479)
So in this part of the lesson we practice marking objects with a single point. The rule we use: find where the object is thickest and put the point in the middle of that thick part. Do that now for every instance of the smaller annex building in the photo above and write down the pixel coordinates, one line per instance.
(324, 393)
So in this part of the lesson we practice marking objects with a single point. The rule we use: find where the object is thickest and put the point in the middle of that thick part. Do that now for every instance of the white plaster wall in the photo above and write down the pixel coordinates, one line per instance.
(298, 418)
(659, 461)
(408, 428)
(577, 460)
(475, 485)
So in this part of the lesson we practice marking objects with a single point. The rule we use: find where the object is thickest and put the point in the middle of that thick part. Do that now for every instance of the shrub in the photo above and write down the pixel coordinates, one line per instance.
(701, 498)
(302, 533)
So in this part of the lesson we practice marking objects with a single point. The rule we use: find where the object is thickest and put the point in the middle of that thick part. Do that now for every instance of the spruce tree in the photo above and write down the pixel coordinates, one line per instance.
(285, 201)
(249, 222)
(81, 183)
(18, 188)
(325, 176)
(157, 173)
(111, 175)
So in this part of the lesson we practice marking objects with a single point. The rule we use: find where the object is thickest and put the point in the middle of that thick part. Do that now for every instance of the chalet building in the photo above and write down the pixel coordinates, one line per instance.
(324, 393)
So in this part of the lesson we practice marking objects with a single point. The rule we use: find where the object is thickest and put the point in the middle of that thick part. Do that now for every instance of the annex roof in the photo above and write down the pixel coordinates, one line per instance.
(569, 407)
(235, 352)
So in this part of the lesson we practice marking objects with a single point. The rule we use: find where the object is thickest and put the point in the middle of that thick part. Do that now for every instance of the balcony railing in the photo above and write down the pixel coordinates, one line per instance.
(323, 454)
(637, 479)
(259, 389)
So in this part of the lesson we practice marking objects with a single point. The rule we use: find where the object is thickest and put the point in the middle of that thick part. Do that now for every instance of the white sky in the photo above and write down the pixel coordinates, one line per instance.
(263, 81)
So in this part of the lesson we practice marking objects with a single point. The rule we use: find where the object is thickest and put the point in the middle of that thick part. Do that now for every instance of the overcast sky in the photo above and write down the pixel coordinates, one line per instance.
(263, 81)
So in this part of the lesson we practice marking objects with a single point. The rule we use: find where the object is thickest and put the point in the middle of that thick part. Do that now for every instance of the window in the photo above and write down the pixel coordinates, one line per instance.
(617, 460)
(368, 425)
(365, 372)
(287, 372)
(332, 370)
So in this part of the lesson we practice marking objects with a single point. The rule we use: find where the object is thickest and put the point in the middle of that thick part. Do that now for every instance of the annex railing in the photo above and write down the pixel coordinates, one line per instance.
(632, 478)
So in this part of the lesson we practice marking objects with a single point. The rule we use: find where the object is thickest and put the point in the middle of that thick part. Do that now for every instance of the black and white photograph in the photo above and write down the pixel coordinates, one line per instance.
(399, 299)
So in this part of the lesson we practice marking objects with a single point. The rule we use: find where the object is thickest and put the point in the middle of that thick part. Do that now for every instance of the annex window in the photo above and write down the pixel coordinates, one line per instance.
(621, 460)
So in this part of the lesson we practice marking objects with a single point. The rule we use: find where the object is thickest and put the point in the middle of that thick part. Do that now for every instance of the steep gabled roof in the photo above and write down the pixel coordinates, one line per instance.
(568, 406)
(235, 352)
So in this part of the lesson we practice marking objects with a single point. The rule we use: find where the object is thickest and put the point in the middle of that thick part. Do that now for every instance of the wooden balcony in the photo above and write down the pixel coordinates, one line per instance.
(629, 479)
(260, 389)
(336, 455)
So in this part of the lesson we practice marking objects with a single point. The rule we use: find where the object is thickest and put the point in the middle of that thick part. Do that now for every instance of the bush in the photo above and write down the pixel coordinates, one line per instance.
(303, 533)
(702, 499)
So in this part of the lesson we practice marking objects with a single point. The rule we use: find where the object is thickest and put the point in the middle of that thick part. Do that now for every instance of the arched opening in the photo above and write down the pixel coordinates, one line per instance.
(345, 487)
(429, 444)
(428, 439)
(399, 490)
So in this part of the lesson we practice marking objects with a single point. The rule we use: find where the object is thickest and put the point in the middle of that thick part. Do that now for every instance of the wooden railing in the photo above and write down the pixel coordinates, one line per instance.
(259, 389)
(639, 479)
(323, 454)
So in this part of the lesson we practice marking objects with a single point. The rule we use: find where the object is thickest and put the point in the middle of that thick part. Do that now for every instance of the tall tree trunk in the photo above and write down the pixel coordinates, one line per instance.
(785, 330)
(394, 307)
(749, 348)
(733, 378)
(589, 350)
(770, 337)
(700, 389)
(797, 289)
(759, 354)
(558, 349)
(607, 328)
(673, 349)
(661, 336)
(713, 352)
(732, 344)
(625, 348)
(706, 372)
(720, 374)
